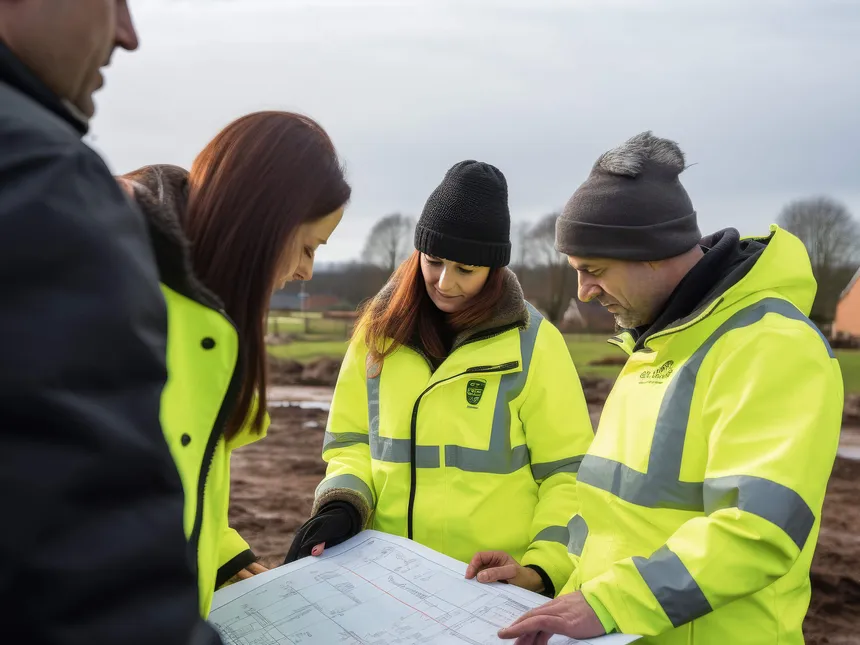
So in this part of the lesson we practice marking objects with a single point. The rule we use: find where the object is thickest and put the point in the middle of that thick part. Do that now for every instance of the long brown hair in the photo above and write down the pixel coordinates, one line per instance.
(251, 187)
(409, 315)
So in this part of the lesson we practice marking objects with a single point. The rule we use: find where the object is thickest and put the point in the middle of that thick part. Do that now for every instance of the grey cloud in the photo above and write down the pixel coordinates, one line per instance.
(761, 96)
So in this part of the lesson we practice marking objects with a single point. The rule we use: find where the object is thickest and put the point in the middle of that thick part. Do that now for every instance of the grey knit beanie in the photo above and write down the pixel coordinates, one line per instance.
(632, 206)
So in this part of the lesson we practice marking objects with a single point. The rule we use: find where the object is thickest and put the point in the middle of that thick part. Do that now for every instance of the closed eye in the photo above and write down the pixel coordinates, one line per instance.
(465, 271)
(309, 252)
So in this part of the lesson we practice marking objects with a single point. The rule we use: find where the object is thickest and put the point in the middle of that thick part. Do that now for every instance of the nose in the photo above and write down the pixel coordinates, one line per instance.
(446, 281)
(126, 36)
(305, 270)
(588, 288)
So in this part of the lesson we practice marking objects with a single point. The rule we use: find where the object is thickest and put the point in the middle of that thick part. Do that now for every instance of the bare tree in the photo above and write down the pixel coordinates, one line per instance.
(832, 239)
(389, 241)
(541, 252)
(520, 249)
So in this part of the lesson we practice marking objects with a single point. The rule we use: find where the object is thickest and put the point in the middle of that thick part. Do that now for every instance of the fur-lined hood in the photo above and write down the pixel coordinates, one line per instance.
(161, 193)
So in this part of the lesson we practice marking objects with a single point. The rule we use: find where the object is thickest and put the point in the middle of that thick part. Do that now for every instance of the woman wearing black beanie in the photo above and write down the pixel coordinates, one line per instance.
(458, 419)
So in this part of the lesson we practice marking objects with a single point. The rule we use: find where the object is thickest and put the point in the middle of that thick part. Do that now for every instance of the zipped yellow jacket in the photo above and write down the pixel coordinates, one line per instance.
(700, 498)
(480, 454)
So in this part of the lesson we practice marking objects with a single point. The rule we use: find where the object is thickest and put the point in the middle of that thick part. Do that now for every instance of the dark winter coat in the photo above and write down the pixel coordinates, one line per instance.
(92, 549)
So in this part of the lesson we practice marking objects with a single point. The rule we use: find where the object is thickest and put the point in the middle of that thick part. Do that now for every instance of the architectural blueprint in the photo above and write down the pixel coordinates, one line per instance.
(373, 589)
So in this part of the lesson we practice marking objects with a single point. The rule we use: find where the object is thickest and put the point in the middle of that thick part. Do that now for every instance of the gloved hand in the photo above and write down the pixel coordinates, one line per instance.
(335, 522)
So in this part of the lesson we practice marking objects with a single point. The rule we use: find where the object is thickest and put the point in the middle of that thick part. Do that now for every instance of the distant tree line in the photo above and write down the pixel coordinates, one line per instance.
(826, 227)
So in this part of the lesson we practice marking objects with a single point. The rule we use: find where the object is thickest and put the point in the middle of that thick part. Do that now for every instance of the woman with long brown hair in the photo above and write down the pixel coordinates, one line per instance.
(247, 217)
(458, 419)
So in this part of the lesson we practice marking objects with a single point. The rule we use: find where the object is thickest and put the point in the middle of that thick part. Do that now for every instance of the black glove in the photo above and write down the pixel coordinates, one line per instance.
(335, 522)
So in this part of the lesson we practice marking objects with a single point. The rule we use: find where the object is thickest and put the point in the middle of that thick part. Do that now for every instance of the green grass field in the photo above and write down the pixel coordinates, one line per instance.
(311, 327)
(328, 340)
(849, 361)
(309, 350)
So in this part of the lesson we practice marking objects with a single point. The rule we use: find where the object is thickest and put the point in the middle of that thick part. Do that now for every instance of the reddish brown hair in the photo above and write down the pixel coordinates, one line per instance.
(251, 187)
(409, 315)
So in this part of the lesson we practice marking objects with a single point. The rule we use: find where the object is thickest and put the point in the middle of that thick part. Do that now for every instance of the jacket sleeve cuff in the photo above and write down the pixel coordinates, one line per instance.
(234, 566)
(557, 567)
(548, 586)
(603, 614)
(343, 494)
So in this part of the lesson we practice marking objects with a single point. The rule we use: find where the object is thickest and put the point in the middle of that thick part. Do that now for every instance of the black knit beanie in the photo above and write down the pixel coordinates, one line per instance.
(466, 219)
(632, 206)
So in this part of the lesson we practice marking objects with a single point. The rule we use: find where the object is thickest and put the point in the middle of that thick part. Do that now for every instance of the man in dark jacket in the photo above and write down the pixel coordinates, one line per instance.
(92, 549)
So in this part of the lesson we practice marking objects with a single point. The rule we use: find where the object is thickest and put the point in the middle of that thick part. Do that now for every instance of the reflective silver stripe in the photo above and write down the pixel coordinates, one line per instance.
(661, 487)
(350, 482)
(553, 534)
(373, 417)
(578, 531)
(427, 457)
(672, 585)
(545, 470)
(501, 458)
(474, 460)
(643, 489)
(332, 441)
(393, 450)
(397, 451)
(773, 502)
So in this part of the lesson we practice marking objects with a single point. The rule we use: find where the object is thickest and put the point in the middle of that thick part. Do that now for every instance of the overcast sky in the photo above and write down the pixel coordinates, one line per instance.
(763, 96)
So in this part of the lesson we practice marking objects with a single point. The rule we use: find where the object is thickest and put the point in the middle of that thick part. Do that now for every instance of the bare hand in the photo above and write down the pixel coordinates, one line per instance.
(569, 615)
(317, 551)
(498, 566)
(250, 571)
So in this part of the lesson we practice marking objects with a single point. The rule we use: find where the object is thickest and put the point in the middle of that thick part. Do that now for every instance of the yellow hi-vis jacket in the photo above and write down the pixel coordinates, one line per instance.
(202, 384)
(481, 454)
(700, 498)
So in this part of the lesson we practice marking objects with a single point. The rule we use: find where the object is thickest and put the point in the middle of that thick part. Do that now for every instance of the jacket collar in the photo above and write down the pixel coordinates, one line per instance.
(161, 192)
(14, 73)
(726, 260)
(510, 312)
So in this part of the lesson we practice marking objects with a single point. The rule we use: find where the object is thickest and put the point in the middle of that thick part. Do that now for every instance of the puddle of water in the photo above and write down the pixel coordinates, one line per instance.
(300, 393)
(306, 405)
(849, 452)
(308, 398)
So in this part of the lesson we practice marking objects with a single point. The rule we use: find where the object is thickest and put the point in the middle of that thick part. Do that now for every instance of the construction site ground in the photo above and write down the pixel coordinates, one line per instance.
(274, 481)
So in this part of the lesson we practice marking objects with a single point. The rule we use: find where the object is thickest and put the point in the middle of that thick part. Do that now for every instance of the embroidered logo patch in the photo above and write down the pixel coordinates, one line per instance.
(658, 374)
(475, 390)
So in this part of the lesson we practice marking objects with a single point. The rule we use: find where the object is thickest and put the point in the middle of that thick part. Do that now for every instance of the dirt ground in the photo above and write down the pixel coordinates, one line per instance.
(274, 481)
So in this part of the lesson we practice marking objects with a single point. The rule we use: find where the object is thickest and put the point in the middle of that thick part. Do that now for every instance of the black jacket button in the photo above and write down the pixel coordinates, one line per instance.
(208, 343)
(186, 439)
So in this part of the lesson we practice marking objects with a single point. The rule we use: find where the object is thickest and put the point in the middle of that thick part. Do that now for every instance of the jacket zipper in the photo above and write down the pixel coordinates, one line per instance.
(484, 369)
(227, 404)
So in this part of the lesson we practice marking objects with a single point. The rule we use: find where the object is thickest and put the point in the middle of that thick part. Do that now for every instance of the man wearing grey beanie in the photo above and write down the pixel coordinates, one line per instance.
(700, 497)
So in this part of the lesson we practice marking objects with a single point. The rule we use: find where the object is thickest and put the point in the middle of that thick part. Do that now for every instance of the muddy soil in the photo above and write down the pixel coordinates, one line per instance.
(834, 613)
